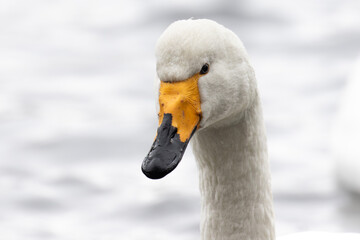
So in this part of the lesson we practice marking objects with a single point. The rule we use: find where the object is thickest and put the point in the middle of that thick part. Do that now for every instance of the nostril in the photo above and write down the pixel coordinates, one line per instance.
(173, 133)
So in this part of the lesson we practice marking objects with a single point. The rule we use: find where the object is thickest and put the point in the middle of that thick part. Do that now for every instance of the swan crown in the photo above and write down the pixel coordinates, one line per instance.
(186, 45)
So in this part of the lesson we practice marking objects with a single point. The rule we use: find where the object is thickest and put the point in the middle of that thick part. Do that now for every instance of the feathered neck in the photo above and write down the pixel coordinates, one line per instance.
(235, 179)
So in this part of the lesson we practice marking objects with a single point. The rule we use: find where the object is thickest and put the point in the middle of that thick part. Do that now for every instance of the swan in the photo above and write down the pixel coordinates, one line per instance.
(347, 134)
(207, 92)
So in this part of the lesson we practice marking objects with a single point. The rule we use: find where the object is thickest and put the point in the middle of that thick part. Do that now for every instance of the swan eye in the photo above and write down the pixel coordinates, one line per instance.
(204, 69)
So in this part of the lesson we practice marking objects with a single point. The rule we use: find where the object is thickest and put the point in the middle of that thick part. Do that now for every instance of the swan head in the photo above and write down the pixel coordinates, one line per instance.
(204, 80)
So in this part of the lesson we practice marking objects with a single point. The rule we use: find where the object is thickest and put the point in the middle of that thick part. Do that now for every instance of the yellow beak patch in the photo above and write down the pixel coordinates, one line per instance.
(182, 101)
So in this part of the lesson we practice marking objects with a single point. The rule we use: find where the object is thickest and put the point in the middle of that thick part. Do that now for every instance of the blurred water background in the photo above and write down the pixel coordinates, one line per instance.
(77, 115)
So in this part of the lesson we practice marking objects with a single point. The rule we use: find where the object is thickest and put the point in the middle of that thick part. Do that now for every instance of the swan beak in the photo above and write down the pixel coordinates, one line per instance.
(179, 117)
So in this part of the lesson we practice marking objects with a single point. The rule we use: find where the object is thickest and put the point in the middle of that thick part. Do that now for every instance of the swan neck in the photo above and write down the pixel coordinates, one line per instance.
(235, 180)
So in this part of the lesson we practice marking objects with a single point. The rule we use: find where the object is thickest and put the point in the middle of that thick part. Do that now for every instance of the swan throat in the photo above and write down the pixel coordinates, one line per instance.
(179, 117)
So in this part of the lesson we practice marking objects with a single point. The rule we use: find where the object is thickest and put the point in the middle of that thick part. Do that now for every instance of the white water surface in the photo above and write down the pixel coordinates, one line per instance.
(77, 115)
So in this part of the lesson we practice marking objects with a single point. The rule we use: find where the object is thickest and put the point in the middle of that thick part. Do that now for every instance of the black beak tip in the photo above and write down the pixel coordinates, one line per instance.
(166, 151)
(153, 170)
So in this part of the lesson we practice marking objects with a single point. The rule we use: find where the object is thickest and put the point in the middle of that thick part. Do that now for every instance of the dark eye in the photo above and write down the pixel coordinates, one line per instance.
(204, 69)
